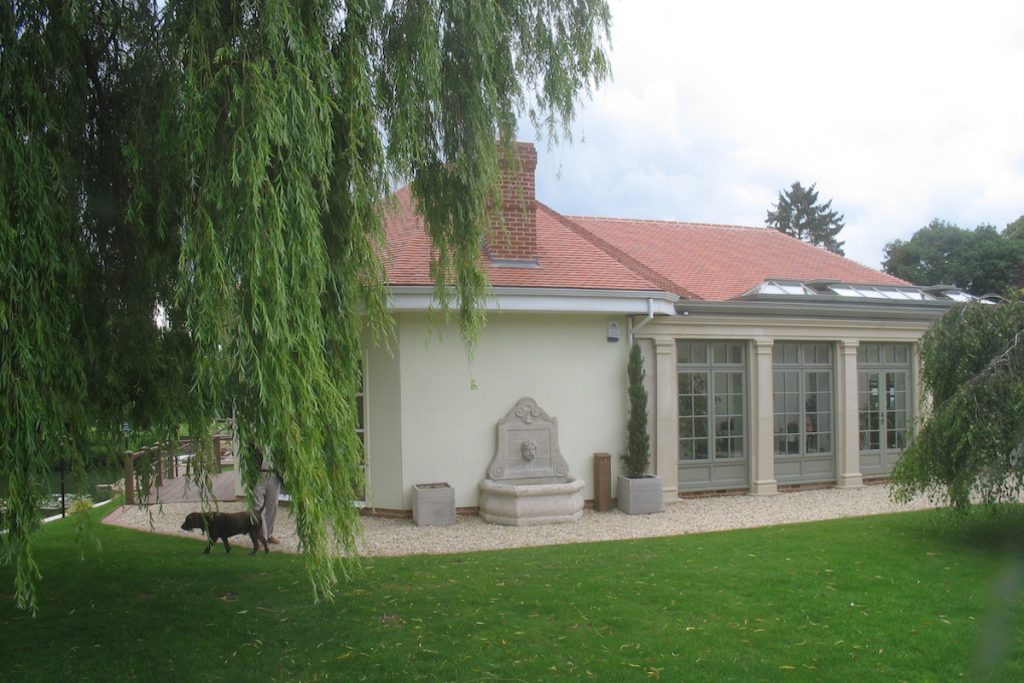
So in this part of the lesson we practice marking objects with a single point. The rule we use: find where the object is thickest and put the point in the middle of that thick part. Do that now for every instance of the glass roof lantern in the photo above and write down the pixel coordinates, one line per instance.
(835, 290)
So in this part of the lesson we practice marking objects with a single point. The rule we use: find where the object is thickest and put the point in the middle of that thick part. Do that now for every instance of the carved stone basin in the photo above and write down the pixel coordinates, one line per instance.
(528, 480)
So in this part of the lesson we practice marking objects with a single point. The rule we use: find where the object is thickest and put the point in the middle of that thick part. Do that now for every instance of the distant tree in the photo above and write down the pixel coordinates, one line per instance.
(1015, 229)
(798, 214)
(971, 439)
(979, 261)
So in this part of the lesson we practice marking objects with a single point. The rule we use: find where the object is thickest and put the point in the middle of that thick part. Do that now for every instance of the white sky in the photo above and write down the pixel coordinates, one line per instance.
(900, 111)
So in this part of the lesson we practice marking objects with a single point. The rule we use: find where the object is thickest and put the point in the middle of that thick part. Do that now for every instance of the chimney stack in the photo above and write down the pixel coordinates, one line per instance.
(513, 241)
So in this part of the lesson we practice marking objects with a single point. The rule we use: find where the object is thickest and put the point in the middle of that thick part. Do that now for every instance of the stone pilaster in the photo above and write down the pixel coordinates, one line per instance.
(847, 437)
(666, 459)
(762, 409)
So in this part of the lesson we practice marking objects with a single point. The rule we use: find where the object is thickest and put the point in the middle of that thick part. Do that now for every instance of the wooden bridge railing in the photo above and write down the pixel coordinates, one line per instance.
(167, 463)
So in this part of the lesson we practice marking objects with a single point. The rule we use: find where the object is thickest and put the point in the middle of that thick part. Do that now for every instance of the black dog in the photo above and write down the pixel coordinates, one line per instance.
(223, 524)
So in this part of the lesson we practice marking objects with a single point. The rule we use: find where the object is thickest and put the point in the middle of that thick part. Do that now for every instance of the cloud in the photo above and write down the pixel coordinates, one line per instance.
(900, 112)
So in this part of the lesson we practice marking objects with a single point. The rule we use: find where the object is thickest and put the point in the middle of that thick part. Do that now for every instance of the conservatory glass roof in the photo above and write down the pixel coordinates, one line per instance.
(842, 290)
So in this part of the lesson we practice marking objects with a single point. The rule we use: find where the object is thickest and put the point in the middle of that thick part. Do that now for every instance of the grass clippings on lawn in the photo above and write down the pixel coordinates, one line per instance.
(921, 596)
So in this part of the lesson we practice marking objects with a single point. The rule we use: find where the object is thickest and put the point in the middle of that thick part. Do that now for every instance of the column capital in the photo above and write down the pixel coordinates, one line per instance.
(764, 345)
(849, 346)
(663, 345)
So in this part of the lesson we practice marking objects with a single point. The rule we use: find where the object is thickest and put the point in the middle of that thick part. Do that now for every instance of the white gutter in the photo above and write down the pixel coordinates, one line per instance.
(634, 328)
(545, 300)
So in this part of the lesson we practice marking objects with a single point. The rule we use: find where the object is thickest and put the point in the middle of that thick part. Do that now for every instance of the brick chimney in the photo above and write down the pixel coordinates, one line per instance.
(513, 241)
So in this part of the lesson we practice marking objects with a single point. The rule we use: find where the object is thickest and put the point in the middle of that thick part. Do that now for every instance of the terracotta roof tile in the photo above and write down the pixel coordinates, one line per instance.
(718, 262)
(565, 258)
(693, 260)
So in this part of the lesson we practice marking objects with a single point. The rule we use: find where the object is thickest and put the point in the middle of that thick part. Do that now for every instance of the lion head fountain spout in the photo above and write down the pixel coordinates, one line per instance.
(528, 480)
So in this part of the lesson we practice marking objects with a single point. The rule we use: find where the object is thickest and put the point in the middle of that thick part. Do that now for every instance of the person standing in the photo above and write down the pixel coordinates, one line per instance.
(266, 492)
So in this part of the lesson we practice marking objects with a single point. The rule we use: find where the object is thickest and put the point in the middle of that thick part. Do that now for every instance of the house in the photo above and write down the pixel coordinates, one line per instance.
(769, 362)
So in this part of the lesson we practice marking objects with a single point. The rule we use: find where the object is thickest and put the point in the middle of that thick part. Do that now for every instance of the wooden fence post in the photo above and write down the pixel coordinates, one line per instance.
(129, 478)
(159, 465)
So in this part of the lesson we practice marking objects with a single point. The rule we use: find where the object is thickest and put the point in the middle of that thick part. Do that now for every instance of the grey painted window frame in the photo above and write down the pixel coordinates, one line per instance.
(710, 369)
(881, 366)
(803, 368)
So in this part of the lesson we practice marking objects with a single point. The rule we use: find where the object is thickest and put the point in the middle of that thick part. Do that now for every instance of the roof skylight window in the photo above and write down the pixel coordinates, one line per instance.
(892, 293)
(790, 288)
(831, 289)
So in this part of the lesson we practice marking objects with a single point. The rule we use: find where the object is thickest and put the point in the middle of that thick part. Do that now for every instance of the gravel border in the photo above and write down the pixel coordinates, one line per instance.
(384, 537)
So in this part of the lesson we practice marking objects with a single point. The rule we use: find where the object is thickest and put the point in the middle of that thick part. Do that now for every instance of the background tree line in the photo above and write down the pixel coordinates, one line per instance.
(980, 261)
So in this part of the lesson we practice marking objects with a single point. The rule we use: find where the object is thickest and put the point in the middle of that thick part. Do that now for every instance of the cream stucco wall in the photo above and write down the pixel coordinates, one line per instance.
(432, 412)
(383, 406)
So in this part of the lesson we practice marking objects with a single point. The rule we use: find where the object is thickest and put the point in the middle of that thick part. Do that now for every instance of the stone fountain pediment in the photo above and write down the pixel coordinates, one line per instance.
(528, 480)
(527, 445)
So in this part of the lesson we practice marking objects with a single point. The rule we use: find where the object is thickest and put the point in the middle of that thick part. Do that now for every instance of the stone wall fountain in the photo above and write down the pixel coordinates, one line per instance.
(528, 480)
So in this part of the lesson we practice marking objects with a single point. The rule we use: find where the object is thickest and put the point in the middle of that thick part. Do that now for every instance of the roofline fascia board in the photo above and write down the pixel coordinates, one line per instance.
(837, 308)
(544, 300)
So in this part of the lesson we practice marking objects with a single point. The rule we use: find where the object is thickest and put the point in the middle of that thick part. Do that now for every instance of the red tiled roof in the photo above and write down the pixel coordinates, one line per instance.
(693, 260)
(566, 259)
(719, 262)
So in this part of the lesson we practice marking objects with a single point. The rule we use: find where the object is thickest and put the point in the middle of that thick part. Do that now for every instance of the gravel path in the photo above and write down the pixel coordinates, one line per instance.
(401, 537)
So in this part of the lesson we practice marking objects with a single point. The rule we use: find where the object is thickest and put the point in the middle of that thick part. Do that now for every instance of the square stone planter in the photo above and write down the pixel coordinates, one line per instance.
(639, 496)
(433, 504)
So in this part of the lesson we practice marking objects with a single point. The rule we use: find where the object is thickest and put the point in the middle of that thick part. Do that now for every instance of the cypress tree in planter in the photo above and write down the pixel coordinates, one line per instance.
(638, 492)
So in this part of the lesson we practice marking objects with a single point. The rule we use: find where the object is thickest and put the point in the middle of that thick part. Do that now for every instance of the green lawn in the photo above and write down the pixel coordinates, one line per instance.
(913, 597)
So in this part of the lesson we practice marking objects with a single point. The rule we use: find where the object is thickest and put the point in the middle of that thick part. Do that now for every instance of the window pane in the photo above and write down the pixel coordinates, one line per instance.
(736, 354)
(699, 353)
(786, 353)
(684, 352)
(719, 355)
(686, 449)
(700, 405)
(902, 354)
(736, 405)
(822, 354)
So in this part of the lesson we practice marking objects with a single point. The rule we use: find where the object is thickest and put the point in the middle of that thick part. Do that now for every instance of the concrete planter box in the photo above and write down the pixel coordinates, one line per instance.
(639, 496)
(433, 504)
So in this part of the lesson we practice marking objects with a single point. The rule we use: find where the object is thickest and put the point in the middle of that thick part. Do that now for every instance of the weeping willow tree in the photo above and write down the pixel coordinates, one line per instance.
(970, 446)
(191, 207)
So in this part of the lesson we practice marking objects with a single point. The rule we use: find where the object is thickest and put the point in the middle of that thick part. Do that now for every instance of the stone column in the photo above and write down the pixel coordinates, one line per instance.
(847, 438)
(762, 453)
(666, 458)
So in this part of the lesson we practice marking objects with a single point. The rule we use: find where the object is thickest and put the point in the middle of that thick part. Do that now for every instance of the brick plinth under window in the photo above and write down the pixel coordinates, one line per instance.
(513, 235)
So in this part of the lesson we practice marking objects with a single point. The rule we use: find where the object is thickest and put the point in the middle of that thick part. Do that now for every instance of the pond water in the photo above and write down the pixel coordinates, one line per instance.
(97, 487)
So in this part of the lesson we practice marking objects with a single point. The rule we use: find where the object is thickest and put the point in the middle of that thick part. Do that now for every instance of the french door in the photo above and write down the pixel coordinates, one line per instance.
(884, 402)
